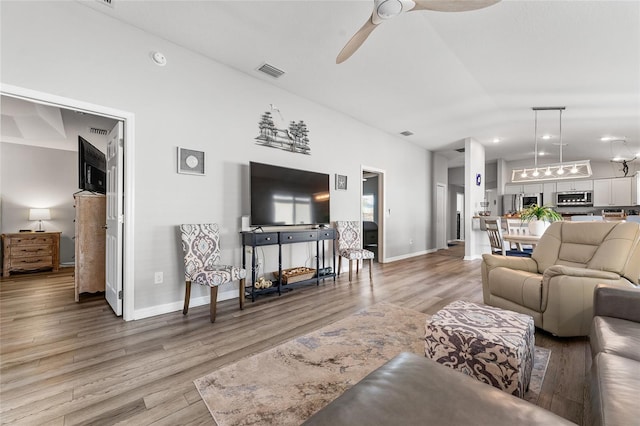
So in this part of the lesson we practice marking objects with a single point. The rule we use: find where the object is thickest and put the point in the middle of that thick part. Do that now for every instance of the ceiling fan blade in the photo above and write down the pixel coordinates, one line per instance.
(453, 5)
(356, 41)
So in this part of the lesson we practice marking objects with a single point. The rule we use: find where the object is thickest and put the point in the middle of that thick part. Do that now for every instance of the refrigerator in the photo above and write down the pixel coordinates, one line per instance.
(513, 203)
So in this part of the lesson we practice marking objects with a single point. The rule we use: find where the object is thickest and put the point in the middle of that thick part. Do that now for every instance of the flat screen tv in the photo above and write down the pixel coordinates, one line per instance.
(283, 196)
(92, 167)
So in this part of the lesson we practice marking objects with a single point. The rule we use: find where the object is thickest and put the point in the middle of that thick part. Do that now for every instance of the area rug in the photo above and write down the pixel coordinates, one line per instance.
(285, 385)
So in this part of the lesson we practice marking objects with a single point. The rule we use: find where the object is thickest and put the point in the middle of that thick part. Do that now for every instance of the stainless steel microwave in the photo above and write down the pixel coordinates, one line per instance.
(574, 198)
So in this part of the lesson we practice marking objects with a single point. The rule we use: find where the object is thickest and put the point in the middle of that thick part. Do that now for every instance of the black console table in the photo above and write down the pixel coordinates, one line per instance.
(255, 239)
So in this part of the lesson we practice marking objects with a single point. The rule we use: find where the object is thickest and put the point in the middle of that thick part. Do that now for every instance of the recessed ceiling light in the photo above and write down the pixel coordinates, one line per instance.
(546, 137)
(496, 140)
(541, 153)
(606, 138)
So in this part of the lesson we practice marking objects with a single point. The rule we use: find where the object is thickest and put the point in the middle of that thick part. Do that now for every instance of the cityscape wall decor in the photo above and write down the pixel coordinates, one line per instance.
(293, 139)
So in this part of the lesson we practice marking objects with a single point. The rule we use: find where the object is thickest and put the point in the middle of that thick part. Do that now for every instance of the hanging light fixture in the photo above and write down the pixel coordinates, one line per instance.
(561, 170)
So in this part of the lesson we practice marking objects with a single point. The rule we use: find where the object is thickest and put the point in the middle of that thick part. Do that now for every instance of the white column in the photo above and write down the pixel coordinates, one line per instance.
(476, 241)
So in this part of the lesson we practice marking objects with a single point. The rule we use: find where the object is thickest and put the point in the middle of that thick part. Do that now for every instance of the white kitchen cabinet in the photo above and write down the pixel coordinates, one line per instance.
(532, 188)
(548, 194)
(512, 188)
(528, 188)
(575, 185)
(612, 192)
(635, 190)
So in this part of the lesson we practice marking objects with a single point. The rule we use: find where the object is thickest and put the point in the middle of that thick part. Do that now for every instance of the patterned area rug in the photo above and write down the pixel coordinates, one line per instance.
(287, 384)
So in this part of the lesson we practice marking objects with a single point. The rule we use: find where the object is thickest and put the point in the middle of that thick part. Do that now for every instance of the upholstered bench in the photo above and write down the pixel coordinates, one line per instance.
(493, 345)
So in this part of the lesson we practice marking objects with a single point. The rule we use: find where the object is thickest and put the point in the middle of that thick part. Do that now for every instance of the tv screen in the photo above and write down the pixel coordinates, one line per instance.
(92, 167)
(283, 196)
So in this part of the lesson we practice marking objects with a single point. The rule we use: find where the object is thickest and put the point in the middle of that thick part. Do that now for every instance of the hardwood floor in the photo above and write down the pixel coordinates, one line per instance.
(67, 363)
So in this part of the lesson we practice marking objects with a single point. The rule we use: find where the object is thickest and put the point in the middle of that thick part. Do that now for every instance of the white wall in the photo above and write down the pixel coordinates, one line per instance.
(34, 177)
(198, 103)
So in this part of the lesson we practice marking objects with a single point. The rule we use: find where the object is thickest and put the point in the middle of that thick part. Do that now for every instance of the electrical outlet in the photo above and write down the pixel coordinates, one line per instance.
(158, 278)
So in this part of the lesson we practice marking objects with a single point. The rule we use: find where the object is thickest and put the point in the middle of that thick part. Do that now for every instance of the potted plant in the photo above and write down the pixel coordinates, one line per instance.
(539, 218)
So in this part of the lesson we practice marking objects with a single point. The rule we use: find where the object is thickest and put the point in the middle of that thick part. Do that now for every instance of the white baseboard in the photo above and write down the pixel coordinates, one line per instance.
(178, 305)
(473, 257)
(409, 255)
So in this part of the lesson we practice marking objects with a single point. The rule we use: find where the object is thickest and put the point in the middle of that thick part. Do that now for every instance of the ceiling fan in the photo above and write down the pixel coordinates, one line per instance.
(387, 9)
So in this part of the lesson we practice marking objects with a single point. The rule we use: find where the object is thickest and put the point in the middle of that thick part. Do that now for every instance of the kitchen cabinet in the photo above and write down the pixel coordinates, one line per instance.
(635, 190)
(548, 193)
(532, 188)
(512, 188)
(575, 185)
(612, 192)
(529, 188)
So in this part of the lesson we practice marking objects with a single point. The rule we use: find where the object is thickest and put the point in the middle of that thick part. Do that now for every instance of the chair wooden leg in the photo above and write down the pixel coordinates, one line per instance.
(214, 303)
(350, 268)
(357, 266)
(339, 264)
(187, 296)
(370, 269)
(242, 294)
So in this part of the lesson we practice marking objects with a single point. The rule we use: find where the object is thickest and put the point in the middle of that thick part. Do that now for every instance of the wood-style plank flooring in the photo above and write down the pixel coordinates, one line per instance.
(67, 363)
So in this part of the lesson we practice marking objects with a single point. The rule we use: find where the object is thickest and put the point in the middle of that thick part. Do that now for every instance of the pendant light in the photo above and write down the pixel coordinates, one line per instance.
(556, 171)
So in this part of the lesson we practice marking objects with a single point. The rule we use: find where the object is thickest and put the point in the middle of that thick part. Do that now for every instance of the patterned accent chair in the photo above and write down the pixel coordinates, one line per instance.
(201, 248)
(349, 246)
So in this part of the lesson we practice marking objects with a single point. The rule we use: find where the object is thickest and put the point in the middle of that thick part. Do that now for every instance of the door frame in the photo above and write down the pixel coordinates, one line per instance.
(381, 207)
(128, 185)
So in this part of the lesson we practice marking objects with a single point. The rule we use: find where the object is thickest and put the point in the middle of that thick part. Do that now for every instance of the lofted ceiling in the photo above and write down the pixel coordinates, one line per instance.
(442, 76)
(29, 123)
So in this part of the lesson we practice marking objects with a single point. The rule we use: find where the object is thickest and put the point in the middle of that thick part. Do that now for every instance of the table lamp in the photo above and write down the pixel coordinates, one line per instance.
(39, 215)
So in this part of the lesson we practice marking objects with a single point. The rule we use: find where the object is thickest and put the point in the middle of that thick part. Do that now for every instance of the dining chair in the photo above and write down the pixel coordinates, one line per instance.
(517, 226)
(201, 248)
(494, 231)
(349, 246)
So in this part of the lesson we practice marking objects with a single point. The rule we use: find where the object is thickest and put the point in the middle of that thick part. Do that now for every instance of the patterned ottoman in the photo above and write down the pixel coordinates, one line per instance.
(491, 344)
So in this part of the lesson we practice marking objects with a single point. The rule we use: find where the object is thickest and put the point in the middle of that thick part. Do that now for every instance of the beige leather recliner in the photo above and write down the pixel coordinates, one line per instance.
(555, 286)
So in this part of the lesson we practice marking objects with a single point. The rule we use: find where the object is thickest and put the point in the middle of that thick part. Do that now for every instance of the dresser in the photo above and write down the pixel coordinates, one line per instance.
(90, 240)
(30, 251)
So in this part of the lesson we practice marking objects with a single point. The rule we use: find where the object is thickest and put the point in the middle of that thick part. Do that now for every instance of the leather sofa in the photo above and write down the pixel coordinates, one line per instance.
(615, 346)
(555, 286)
(414, 390)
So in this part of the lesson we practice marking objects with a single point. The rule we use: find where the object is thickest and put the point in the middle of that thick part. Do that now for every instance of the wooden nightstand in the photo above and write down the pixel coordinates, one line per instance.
(30, 251)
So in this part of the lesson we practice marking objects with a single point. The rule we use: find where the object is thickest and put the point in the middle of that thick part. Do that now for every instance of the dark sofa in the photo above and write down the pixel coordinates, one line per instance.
(615, 346)
(414, 390)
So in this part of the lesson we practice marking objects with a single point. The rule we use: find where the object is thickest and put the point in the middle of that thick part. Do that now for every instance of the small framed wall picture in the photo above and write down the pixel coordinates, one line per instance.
(341, 182)
(190, 162)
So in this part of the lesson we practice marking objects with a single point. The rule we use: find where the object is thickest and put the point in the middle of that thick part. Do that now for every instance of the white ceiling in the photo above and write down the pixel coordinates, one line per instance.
(443, 76)
(30, 123)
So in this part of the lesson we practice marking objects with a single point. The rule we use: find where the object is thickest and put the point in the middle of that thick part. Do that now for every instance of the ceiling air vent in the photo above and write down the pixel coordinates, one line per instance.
(406, 133)
(98, 131)
(460, 150)
(271, 70)
(106, 2)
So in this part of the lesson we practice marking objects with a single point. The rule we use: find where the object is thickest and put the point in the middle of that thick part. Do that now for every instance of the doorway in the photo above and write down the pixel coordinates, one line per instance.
(125, 293)
(441, 218)
(459, 216)
(372, 211)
